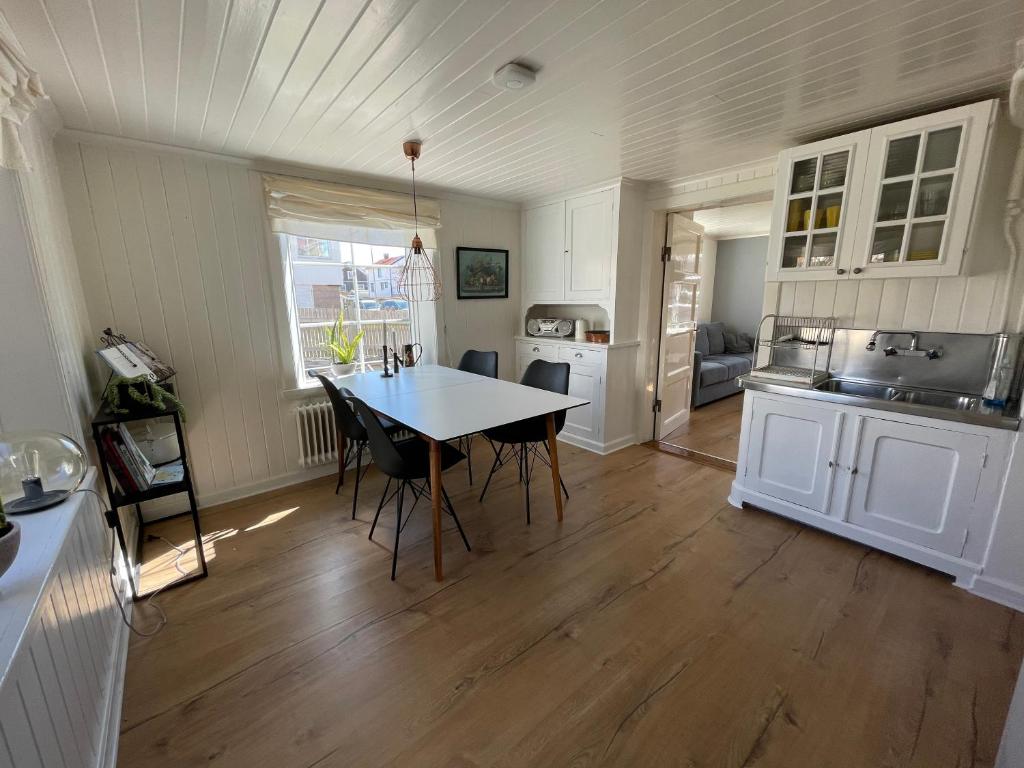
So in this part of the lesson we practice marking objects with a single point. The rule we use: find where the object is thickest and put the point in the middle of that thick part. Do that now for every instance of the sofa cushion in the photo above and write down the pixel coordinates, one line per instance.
(712, 372)
(737, 343)
(700, 341)
(716, 338)
(736, 365)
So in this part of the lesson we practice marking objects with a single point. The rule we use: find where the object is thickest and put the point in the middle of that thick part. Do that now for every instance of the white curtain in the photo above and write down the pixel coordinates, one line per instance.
(20, 89)
(310, 208)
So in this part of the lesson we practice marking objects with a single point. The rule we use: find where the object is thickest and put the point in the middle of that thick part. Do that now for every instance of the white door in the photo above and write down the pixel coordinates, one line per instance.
(922, 177)
(915, 483)
(792, 450)
(680, 298)
(584, 381)
(544, 253)
(588, 246)
(815, 211)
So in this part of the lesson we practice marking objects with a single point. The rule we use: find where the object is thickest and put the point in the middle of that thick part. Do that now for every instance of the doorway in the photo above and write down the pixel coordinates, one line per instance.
(712, 296)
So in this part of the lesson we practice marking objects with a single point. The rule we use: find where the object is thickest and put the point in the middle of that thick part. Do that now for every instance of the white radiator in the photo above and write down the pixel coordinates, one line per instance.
(318, 441)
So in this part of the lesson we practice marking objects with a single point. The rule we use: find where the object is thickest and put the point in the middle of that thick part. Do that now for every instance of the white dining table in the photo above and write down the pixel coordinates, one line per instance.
(441, 404)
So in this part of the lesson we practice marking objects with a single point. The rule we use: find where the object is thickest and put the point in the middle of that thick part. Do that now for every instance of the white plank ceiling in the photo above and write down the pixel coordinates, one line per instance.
(648, 89)
(745, 220)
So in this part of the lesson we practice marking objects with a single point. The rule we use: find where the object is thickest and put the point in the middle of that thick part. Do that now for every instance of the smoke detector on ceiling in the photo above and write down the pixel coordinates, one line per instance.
(513, 77)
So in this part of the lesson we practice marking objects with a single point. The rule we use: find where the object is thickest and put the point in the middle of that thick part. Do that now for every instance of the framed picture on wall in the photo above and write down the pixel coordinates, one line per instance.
(481, 273)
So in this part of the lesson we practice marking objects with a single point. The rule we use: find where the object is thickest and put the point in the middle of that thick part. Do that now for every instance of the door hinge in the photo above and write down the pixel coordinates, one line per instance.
(656, 407)
(984, 460)
(666, 253)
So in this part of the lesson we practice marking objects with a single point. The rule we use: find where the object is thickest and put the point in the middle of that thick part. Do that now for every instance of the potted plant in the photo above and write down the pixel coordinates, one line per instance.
(10, 539)
(345, 351)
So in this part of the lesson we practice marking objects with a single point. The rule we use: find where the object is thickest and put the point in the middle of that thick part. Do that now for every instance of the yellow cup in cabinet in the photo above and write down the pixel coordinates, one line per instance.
(832, 216)
(793, 224)
(807, 219)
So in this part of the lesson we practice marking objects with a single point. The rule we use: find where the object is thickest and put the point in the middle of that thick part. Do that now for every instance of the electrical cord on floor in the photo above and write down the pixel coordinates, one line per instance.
(162, 620)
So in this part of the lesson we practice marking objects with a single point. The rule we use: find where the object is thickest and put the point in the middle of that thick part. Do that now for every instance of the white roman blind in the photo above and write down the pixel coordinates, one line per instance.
(20, 89)
(321, 209)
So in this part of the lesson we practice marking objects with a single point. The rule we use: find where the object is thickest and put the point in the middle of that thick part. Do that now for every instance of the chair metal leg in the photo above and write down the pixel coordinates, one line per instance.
(469, 457)
(494, 467)
(524, 475)
(359, 466)
(342, 463)
(380, 506)
(398, 529)
(451, 511)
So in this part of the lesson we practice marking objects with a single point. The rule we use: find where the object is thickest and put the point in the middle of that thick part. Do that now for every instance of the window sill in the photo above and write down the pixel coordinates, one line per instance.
(314, 390)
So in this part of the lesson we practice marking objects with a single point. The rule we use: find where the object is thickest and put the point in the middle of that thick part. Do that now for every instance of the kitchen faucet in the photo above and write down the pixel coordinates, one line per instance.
(911, 351)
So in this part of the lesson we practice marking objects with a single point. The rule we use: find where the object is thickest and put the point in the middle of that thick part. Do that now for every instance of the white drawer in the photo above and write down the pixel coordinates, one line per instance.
(538, 349)
(581, 355)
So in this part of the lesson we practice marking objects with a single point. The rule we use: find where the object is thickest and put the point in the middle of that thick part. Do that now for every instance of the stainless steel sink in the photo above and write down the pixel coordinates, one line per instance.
(939, 400)
(859, 389)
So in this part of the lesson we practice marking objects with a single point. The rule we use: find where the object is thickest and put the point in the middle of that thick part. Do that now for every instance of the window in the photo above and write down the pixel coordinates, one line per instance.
(327, 277)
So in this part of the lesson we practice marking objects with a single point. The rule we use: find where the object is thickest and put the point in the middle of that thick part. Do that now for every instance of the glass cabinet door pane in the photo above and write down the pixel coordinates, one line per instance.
(829, 209)
(925, 240)
(833, 170)
(895, 201)
(799, 215)
(901, 158)
(793, 252)
(941, 149)
(887, 244)
(823, 250)
(933, 195)
(804, 172)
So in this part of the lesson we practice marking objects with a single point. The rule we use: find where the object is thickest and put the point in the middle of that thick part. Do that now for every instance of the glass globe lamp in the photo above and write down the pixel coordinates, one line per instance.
(38, 470)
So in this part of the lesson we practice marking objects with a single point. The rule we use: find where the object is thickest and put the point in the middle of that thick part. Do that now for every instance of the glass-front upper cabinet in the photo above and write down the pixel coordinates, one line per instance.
(920, 188)
(815, 208)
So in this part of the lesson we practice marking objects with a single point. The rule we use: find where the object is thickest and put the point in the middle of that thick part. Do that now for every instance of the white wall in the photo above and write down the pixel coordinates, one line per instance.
(739, 283)
(172, 249)
(42, 380)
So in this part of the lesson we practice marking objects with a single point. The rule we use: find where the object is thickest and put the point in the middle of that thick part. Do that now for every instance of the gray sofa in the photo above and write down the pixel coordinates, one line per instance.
(719, 357)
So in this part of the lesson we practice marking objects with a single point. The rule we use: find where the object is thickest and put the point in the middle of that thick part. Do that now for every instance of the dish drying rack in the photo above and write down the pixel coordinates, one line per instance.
(795, 349)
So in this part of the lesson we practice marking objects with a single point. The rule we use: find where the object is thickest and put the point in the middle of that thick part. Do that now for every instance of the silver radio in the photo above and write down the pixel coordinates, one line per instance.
(549, 326)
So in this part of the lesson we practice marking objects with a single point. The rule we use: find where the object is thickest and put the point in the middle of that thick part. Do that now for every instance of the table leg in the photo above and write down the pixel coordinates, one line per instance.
(435, 500)
(555, 478)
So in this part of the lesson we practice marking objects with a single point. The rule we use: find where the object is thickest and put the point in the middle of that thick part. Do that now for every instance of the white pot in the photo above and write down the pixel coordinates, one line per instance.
(9, 543)
(343, 369)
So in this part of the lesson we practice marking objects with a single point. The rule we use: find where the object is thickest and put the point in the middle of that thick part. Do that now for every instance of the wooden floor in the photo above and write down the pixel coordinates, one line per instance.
(712, 429)
(657, 626)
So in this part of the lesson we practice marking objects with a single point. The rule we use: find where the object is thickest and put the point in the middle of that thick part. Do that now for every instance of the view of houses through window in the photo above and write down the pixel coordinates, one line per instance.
(357, 280)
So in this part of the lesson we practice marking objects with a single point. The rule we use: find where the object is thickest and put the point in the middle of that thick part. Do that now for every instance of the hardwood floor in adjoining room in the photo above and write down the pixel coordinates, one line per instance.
(712, 429)
(656, 626)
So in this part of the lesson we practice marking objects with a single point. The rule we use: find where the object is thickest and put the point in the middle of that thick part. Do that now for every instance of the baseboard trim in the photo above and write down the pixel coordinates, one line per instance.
(998, 591)
(595, 447)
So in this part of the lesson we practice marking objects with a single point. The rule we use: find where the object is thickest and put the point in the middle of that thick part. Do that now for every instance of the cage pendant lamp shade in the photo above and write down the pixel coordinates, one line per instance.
(419, 280)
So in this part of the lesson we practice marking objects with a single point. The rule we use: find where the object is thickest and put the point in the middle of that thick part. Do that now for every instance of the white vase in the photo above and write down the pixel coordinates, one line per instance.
(9, 543)
(343, 369)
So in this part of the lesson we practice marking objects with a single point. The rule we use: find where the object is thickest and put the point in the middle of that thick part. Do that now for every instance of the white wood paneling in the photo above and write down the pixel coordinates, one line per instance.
(64, 644)
(655, 90)
(172, 249)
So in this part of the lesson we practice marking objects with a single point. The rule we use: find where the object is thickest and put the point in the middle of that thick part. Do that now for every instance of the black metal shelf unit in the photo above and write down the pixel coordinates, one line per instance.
(121, 498)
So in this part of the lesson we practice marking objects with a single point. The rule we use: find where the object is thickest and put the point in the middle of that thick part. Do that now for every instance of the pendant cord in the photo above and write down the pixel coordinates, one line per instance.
(415, 211)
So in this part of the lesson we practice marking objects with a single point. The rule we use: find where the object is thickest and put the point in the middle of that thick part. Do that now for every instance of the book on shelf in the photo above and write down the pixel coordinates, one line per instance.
(132, 470)
(166, 474)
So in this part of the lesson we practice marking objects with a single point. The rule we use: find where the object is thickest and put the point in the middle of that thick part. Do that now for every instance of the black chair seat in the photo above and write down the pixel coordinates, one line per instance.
(416, 458)
(526, 431)
(391, 427)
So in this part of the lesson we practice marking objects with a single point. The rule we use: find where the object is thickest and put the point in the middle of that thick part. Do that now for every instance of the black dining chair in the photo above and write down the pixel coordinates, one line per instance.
(520, 440)
(408, 463)
(482, 364)
(348, 424)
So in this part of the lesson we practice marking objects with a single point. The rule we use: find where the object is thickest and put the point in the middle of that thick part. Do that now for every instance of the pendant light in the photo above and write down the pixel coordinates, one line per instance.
(419, 281)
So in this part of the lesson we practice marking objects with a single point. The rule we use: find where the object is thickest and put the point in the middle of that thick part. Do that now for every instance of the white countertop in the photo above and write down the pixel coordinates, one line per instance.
(42, 537)
(571, 342)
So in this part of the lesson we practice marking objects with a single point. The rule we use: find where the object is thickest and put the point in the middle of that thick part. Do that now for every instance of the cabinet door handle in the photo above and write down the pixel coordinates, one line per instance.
(840, 271)
(536, 349)
(853, 471)
(831, 464)
(857, 270)
(579, 354)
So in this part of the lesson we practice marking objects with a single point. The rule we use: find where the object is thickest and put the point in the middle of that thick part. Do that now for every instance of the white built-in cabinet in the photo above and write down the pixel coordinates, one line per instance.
(899, 200)
(925, 489)
(568, 249)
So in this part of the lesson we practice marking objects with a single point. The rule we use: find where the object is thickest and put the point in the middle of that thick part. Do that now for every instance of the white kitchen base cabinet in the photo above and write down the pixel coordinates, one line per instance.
(920, 488)
(601, 373)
